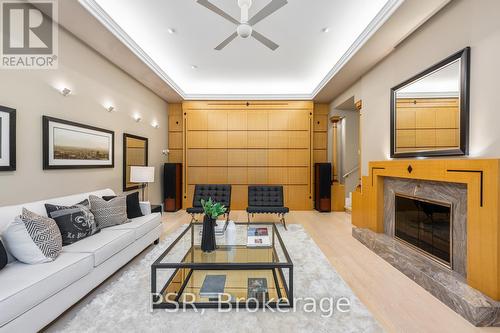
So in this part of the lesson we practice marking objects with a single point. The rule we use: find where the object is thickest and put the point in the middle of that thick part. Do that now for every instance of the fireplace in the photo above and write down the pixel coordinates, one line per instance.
(426, 226)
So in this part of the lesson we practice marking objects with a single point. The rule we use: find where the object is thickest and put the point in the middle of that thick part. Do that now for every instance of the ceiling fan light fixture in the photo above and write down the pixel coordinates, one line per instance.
(244, 30)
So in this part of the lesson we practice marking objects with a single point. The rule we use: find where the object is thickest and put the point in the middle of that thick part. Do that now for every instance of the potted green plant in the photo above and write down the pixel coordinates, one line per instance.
(212, 211)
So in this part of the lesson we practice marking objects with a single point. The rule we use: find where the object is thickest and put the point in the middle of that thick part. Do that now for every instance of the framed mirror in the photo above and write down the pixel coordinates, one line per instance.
(430, 111)
(135, 153)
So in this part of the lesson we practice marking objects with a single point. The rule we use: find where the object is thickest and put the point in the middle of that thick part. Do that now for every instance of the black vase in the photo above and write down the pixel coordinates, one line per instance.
(208, 234)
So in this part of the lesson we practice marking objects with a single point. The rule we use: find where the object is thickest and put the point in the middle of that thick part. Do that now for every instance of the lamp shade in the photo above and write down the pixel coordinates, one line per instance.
(142, 174)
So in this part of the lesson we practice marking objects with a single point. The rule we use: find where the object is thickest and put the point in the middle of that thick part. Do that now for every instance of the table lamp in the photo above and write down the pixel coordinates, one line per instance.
(142, 175)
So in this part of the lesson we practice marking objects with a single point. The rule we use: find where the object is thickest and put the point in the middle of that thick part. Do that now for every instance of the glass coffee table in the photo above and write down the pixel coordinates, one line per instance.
(234, 275)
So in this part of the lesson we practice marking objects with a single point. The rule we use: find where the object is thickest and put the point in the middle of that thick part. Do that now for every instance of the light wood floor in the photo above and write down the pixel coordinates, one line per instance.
(398, 303)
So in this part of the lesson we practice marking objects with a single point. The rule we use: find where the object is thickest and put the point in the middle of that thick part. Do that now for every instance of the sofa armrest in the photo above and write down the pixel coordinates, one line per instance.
(145, 207)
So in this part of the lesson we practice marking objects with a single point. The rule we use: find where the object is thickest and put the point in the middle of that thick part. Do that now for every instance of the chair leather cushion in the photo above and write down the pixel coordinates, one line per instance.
(267, 210)
(218, 192)
(265, 196)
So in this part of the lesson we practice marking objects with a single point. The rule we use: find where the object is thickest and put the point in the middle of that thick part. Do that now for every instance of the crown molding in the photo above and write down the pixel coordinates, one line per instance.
(382, 16)
(93, 7)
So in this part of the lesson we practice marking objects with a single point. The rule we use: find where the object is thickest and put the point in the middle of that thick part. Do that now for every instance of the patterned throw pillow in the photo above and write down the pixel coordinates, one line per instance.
(109, 213)
(75, 223)
(133, 205)
(33, 239)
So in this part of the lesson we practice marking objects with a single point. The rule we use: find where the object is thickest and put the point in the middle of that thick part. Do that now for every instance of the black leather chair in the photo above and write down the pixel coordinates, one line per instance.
(218, 193)
(266, 199)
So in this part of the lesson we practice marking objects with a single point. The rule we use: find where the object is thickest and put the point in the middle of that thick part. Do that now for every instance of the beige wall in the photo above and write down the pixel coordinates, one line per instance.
(93, 81)
(473, 23)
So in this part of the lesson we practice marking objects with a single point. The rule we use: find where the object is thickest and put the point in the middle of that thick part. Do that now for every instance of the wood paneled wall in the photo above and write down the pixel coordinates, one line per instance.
(175, 133)
(240, 143)
(427, 123)
(320, 133)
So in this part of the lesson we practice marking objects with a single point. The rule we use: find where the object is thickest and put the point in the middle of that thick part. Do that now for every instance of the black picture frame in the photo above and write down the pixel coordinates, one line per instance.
(12, 138)
(46, 120)
(132, 136)
(464, 56)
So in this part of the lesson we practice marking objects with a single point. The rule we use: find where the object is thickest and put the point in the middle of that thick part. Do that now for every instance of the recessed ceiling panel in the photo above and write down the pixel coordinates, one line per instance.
(178, 38)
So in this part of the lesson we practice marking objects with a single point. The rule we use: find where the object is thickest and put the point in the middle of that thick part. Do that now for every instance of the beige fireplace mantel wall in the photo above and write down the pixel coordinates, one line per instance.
(483, 233)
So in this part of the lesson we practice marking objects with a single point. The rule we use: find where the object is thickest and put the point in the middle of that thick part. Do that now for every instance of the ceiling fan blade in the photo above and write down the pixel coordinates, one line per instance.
(207, 4)
(267, 42)
(226, 41)
(270, 8)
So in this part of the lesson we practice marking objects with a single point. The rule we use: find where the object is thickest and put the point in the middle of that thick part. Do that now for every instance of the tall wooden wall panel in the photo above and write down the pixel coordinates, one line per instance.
(236, 143)
(175, 133)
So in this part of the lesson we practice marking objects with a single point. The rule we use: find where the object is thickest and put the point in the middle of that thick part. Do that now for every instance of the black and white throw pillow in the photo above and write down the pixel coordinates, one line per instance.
(33, 239)
(133, 206)
(109, 213)
(3, 256)
(75, 222)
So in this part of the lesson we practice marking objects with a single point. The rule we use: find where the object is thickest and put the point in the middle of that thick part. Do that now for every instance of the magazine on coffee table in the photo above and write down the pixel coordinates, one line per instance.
(257, 289)
(258, 237)
(213, 286)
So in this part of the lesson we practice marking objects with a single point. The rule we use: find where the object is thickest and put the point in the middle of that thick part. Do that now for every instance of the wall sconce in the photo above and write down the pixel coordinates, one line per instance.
(110, 108)
(155, 124)
(137, 118)
(65, 92)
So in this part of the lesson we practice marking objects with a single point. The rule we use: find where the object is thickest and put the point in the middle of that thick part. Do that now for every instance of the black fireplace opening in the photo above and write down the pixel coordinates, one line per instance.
(425, 225)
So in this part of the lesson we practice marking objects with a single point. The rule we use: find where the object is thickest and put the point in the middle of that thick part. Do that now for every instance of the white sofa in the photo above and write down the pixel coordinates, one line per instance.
(32, 296)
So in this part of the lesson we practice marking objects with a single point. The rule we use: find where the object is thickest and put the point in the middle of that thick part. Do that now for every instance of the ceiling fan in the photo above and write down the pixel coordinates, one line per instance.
(244, 26)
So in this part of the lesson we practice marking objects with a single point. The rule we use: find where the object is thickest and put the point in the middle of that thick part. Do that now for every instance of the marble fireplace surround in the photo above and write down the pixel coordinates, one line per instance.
(452, 193)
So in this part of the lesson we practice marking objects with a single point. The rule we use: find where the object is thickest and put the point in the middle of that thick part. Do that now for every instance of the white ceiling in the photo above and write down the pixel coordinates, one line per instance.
(306, 59)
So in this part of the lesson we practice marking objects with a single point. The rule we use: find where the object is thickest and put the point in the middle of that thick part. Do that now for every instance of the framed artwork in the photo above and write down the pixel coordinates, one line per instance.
(7, 139)
(69, 145)
(135, 153)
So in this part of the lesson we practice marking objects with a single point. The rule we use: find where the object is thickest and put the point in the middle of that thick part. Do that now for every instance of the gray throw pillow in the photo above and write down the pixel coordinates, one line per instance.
(109, 213)
(75, 222)
(33, 239)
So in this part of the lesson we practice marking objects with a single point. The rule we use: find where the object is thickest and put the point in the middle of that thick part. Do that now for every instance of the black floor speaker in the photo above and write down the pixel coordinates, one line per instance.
(172, 187)
(322, 187)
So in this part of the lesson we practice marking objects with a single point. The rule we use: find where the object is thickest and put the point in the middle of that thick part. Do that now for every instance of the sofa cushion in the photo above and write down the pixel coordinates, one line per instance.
(140, 225)
(109, 213)
(133, 205)
(103, 245)
(33, 239)
(25, 286)
(75, 222)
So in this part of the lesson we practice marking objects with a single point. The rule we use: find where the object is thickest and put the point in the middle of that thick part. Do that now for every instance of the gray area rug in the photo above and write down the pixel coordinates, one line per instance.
(123, 306)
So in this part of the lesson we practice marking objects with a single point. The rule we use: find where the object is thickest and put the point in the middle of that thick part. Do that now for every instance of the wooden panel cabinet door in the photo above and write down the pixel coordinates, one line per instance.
(237, 120)
(239, 197)
(196, 139)
(277, 157)
(278, 139)
(257, 157)
(196, 175)
(175, 156)
(298, 157)
(277, 176)
(298, 139)
(237, 139)
(257, 175)
(237, 175)
(298, 120)
(217, 139)
(237, 157)
(320, 156)
(216, 175)
(175, 123)
(197, 157)
(257, 120)
(175, 140)
(217, 157)
(278, 120)
(197, 120)
(217, 120)
(319, 140)
(425, 138)
(425, 118)
(257, 139)
(320, 122)
(298, 176)
(298, 197)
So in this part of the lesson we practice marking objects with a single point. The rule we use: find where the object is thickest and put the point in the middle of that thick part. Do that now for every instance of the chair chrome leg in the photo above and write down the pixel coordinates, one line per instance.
(283, 221)
(248, 216)
(193, 218)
